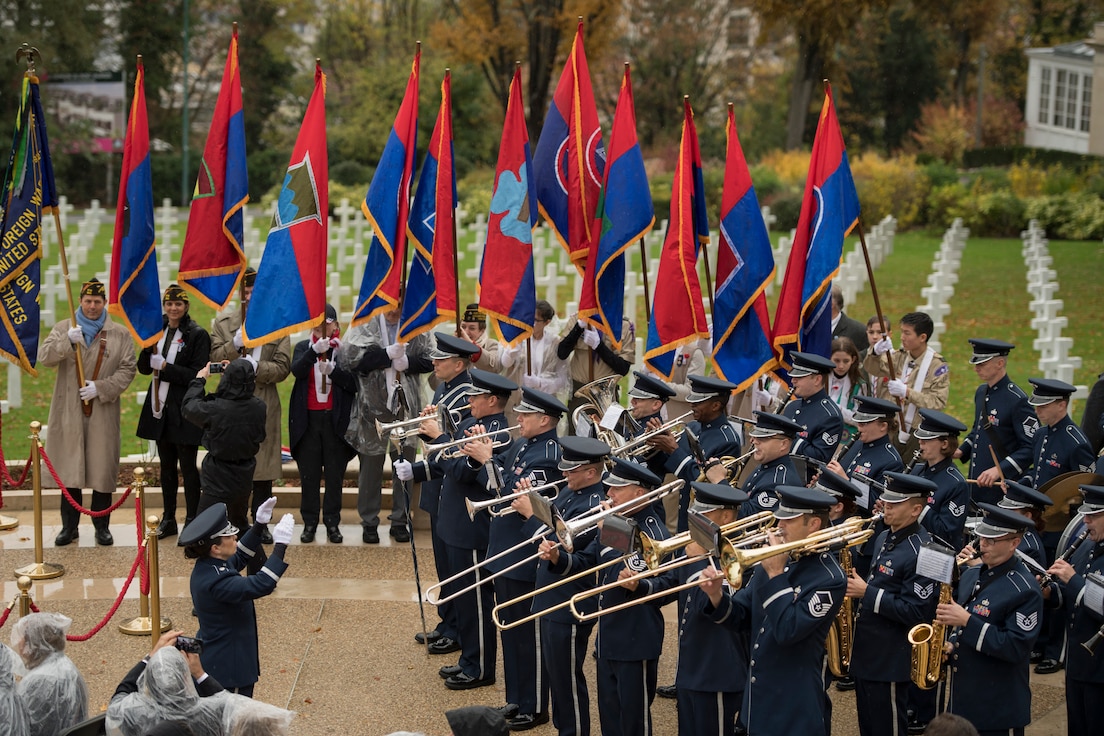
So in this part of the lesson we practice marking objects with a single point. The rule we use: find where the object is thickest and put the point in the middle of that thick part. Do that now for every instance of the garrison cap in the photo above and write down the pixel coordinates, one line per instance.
(249, 277)
(211, 523)
(579, 451)
(93, 287)
(768, 425)
(713, 496)
(1019, 496)
(988, 349)
(648, 386)
(538, 402)
(452, 347)
(486, 382)
(838, 486)
(870, 408)
(1049, 390)
(174, 293)
(935, 424)
(795, 501)
(472, 313)
(705, 388)
(808, 364)
(1094, 500)
(627, 473)
(998, 522)
(331, 314)
(903, 487)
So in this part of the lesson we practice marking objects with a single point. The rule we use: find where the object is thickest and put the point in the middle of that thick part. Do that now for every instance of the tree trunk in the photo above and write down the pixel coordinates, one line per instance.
(806, 75)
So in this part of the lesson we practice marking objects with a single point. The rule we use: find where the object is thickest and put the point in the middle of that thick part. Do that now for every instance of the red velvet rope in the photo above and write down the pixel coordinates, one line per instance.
(72, 502)
(5, 614)
(144, 584)
(4, 470)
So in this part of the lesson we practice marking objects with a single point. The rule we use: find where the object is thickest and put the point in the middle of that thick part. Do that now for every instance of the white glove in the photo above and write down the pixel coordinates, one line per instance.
(403, 470)
(582, 323)
(284, 530)
(592, 338)
(396, 350)
(325, 367)
(897, 388)
(263, 514)
(76, 335)
(533, 381)
(883, 346)
(509, 356)
(253, 360)
(401, 363)
(762, 397)
(238, 342)
(320, 346)
(88, 391)
(157, 361)
(335, 343)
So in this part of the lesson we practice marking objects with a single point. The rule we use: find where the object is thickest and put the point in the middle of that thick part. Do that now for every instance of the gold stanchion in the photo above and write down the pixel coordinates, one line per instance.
(149, 606)
(24, 584)
(39, 570)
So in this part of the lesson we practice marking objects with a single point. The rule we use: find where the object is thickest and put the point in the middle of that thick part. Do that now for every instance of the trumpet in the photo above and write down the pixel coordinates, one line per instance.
(734, 465)
(405, 428)
(452, 447)
(638, 446)
(476, 506)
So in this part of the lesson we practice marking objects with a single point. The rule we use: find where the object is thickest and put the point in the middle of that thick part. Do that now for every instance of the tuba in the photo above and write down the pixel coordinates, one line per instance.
(927, 648)
(841, 637)
(599, 395)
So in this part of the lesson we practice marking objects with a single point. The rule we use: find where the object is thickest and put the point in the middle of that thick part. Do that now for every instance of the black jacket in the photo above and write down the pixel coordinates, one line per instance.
(343, 390)
(190, 358)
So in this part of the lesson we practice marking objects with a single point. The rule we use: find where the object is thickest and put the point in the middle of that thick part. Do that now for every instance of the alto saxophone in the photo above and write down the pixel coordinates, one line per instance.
(927, 648)
(841, 637)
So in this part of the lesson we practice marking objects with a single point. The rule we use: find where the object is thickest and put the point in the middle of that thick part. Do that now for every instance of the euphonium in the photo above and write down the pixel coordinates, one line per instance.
(841, 637)
(927, 648)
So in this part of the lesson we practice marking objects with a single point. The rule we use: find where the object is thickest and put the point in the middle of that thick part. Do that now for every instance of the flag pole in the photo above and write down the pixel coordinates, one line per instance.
(455, 243)
(705, 251)
(644, 264)
(878, 311)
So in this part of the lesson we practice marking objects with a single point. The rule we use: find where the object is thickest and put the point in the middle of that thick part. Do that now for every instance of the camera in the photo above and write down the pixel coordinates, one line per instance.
(189, 644)
(217, 368)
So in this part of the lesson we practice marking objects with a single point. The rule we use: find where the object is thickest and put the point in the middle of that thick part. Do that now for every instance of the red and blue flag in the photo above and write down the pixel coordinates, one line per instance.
(570, 159)
(624, 216)
(507, 288)
(431, 285)
(28, 194)
(387, 206)
(135, 294)
(829, 210)
(290, 291)
(742, 348)
(212, 260)
(678, 315)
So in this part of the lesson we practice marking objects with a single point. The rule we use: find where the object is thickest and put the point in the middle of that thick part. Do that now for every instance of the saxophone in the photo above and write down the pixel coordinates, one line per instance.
(841, 637)
(927, 648)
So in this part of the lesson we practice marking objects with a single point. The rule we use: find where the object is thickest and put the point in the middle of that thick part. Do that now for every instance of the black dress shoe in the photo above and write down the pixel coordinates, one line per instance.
(525, 721)
(266, 535)
(167, 528)
(334, 535)
(1048, 667)
(309, 530)
(104, 538)
(508, 711)
(667, 691)
(449, 670)
(916, 727)
(370, 535)
(444, 645)
(432, 636)
(400, 533)
(65, 536)
(845, 683)
(467, 682)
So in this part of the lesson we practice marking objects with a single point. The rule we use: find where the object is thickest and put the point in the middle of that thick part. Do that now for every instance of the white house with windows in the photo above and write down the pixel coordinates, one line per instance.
(1059, 97)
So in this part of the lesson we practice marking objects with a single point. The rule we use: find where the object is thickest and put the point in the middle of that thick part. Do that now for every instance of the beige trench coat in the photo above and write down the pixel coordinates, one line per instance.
(273, 366)
(85, 450)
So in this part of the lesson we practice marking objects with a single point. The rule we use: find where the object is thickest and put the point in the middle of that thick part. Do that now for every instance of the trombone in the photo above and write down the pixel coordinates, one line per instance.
(453, 446)
(568, 531)
(405, 428)
(476, 506)
(638, 446)
(736, 561)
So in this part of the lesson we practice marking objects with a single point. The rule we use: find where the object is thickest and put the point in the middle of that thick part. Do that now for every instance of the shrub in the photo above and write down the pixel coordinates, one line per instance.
(994, 214)
(787, 208)
(943, 132)
(945, 204)
(767, 182)
(791, 167)
(1076, 217)
(895, 187)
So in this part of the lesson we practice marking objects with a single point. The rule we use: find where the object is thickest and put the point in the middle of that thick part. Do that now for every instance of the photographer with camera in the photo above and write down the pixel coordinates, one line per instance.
(223, 599)
(168, 685)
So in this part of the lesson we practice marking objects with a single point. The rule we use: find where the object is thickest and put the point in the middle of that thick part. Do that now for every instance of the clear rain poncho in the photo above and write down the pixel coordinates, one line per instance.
(247, 717)
(13, 719)
(166, 692)
(53, 691)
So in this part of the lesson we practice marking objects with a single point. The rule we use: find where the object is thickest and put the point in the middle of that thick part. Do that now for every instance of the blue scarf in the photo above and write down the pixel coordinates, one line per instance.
(90, 327)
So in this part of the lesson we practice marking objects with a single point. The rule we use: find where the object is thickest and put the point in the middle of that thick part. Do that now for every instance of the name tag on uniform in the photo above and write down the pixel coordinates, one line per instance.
(1094, 593)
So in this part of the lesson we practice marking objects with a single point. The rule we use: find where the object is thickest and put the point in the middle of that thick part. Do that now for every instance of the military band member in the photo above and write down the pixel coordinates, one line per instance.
(844, 491)
(894, 598)
(820, 417)
(1003, 421)
(789, 606)
(712, 672)
(629, 641)
(465, 538)
(647, 398)
(874, 454)
(996, 622)
(945, 516)
(718, 438)
(1060, 446)
(772, 437)
(532, 460)
(1027, 501)
(564, 640)
(1080, 595)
